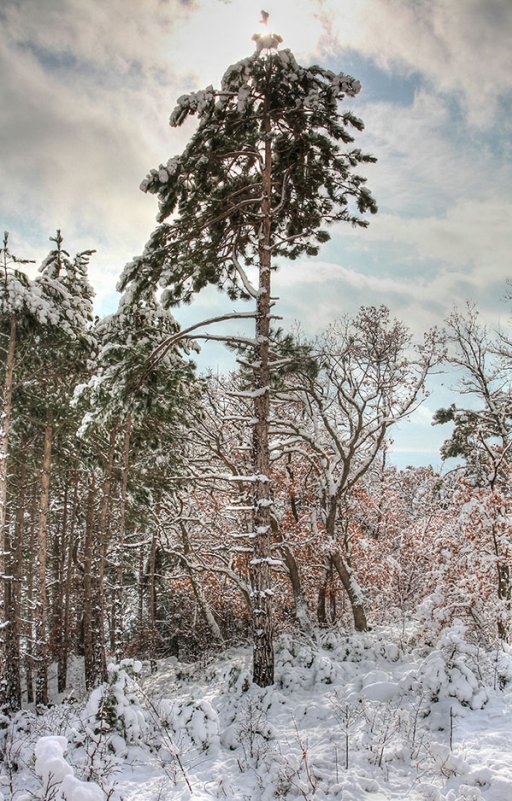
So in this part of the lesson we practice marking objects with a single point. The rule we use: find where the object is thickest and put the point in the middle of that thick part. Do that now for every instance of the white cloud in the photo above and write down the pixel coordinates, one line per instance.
(472, 239)
(461, 46)
(87, 86)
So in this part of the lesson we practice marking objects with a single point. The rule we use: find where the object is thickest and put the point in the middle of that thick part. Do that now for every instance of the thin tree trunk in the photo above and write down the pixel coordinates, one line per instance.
(68, 583)
(5, 425)
(197, 589)
(299, 600)
(152, 606)
(300, 603)
(117, 599)
(29, 614)
(89, 638)
(260, 565)
(352, 589)
(56, 570)
(141, 593)
(100, 559)
(321, 605)
(63, 562)
(344, 570)
(504, 595)
(504, 583)
(13, 600)
(41, 652)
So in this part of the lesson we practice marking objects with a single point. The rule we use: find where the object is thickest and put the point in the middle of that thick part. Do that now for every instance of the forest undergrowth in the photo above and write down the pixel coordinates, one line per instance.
(382, 714)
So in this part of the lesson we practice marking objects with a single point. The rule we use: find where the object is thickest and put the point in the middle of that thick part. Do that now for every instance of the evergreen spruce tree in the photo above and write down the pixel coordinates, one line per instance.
(270, 164)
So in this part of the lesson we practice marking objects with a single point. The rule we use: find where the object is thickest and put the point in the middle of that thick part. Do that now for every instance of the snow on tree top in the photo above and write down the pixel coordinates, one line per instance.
(266, 41)
(195, 102)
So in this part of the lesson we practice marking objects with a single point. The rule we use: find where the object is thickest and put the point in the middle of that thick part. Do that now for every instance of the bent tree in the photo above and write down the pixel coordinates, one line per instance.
(269, 165)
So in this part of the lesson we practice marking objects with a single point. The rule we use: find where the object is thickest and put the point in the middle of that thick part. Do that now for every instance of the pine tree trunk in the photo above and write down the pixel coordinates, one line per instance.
(117, 595)
(142, 577)
(29, 608)
(261, 575)
(55, 602)
(152, 602)
(41, 651)
(100, 560)
(5, 424)
(68, 583)
(89, 640)
(13, 601)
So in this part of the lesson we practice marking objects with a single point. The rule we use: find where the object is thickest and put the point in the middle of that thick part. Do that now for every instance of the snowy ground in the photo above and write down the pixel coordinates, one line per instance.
(350, 718)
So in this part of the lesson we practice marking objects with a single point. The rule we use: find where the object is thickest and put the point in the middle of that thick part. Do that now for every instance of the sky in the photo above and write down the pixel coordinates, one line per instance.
(87, 87)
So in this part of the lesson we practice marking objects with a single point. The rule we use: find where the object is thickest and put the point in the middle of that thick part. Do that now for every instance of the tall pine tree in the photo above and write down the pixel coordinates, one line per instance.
(270, 164)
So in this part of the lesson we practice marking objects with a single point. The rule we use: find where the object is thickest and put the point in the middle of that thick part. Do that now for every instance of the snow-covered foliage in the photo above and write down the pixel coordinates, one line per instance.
(60, 298)
(113, 707)
(350, 716)
(216, 183)
(134, 373)
(57, 775)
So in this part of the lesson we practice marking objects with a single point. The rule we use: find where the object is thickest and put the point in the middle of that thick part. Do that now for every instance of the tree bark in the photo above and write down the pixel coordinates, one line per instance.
(13, 600)
(117, 595)
(300, 604)
(152, 602)
(504, 583)
(29, 608)
(41, 650)
(326, 617)
(62, 667)
(100, 561)
(89, 638)
(343, 568)
(197, 589)
(260, 567)
(5, 425)
(352, 589)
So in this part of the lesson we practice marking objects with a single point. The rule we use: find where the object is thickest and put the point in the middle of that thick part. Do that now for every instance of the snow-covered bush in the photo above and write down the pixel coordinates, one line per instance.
(57, 776)
(114, 707)
(190, 723)
(451, 670)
